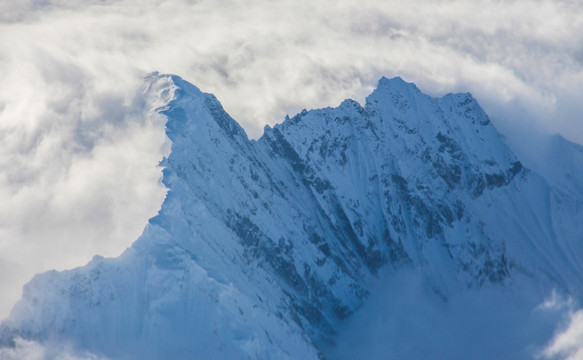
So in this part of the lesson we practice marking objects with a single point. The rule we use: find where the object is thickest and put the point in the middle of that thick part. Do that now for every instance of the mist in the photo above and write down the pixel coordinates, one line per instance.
(405, 319)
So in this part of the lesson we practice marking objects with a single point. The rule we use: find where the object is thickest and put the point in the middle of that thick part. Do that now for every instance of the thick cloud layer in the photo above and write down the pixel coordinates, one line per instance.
(568, 342)
(404, 319)
(30, 350)
(78, 173)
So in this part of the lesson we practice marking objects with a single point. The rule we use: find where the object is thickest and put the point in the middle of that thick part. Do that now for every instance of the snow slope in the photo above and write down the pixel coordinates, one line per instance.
(262, 249)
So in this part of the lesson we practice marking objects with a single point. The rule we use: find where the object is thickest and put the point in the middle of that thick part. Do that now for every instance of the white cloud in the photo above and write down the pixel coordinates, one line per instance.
(404, 318)
(78, 175)
(568, 343)
(31, 350)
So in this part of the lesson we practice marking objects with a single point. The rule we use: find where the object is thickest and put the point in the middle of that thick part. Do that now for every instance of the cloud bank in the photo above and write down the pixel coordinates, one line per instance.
(31, 350)
(405, 319)
(78, 173)
(567, 344)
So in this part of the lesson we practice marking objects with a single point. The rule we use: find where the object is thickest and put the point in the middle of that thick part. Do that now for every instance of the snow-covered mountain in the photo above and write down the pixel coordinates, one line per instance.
(262, 248)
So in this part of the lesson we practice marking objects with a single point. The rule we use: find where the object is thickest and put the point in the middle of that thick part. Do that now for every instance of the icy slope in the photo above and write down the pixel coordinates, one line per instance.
(261, 247)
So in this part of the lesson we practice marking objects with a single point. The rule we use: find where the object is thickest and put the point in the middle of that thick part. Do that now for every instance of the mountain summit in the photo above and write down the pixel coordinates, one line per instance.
(262, 248)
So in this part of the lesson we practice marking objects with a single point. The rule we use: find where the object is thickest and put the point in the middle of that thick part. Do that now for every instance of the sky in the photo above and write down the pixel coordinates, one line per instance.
(79, 171)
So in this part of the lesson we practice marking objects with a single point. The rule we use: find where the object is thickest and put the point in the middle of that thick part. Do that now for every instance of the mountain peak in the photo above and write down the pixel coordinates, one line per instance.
(189, 111)
(395, 84)
(261, 248)
(384, 81)
(394, 92)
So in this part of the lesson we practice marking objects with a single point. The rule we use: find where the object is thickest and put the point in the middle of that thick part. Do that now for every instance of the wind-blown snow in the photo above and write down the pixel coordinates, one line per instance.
(263, 249)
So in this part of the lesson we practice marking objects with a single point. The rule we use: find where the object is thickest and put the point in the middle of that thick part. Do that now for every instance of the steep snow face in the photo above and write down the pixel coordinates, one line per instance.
(432, 179)
(262, 247)
(403, 170)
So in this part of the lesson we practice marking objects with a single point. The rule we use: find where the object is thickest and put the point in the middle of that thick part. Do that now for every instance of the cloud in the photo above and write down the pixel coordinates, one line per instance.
(567, 343)
(78, 173)
(405, 318)
(31, 350)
